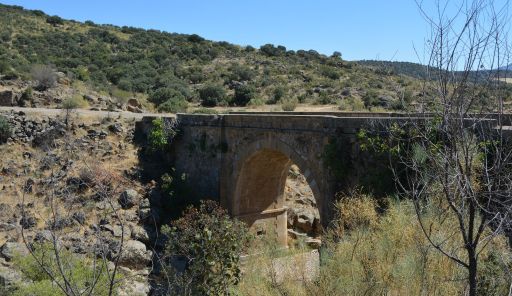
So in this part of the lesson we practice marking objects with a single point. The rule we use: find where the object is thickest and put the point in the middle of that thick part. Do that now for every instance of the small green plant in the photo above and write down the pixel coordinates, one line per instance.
(67, 274)
(211, 243)
(289, 105)
(69, 105)
(205, 111)
(5, 129)
(26, 97)
(160, 134)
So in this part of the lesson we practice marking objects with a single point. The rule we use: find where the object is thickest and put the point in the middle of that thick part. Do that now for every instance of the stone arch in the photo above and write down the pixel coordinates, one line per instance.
(260, 172)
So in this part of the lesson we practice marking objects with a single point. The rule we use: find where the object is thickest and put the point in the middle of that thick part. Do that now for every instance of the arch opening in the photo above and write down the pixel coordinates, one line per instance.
(275, 199)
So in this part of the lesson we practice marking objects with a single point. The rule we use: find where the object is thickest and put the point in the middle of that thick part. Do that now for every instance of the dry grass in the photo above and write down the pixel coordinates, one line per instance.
(385, 255)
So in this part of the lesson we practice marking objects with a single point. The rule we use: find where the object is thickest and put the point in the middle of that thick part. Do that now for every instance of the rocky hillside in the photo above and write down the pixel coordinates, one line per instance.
(77, 186)
(118, 63)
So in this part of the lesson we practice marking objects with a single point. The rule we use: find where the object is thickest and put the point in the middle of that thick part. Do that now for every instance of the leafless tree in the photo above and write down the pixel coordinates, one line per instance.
(456, 155)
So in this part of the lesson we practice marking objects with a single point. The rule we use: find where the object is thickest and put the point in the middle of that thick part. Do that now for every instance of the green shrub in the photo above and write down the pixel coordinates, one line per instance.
(26, 97)
(5, 129)
(174, 105)
(289, 105)
(241, 73)
(54, 20)
(243, 95)
(277, 94)
(371, 98)
(205, 111)
(211, 242)
(163, 95)
(160, 134)
(78, 273)
(195, 38)
(329, 72)
(120, 95)
(211, 95)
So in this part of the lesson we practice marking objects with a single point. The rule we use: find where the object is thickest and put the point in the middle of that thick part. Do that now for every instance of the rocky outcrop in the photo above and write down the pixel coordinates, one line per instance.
(302, 214)
(135, 255)
(8, 98)
(128, 198)
(9, 277)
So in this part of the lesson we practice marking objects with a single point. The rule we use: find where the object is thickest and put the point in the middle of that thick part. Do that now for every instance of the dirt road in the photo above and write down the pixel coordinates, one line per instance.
(83, 112)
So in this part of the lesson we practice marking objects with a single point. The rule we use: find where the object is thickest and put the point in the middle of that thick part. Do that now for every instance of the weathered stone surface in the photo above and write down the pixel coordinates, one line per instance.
(135, 255)
(128, 198)
(10, 249)
(139, 233)
(9, 277)
(8, 98)
(116, 230)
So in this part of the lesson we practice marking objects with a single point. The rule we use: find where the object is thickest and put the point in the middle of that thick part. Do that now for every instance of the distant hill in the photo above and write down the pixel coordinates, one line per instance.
(180, 69)
(397, 68)
(507, 68)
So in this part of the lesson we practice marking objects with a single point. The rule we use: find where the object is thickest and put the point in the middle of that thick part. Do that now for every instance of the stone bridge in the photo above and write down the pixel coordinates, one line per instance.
(242, 160)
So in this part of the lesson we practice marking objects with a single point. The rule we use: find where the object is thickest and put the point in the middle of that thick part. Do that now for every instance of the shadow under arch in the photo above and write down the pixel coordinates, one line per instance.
(258, 197)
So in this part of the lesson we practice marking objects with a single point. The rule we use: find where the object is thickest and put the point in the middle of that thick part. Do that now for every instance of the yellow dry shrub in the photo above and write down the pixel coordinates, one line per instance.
(356, 210)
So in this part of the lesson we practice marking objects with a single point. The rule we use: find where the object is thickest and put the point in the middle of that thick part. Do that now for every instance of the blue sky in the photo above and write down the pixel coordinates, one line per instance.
(359, 29)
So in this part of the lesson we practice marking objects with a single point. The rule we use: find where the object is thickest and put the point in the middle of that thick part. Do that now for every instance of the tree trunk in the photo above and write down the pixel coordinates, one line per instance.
(473, 282)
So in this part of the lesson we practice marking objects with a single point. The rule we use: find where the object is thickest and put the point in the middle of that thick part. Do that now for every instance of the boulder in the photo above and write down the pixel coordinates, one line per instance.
(8, 98)
(134, 286)
(9, 277)
(139, 233)
(305, 221)
(135, 255)
(116, 230)
(128, 198)
(116, 128)
(10, 249)
(134, 103)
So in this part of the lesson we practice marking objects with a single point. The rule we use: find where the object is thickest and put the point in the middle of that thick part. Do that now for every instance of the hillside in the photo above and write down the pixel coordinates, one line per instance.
(185, 70)
(396, 68)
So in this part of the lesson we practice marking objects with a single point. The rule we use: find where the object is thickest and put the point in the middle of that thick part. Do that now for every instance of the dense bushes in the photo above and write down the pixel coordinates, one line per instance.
(212, 95)
(165, 94)
(211, 243)
(145, 61)
(174, 105)
(243, 95)
(5, 129)
(54, 20)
